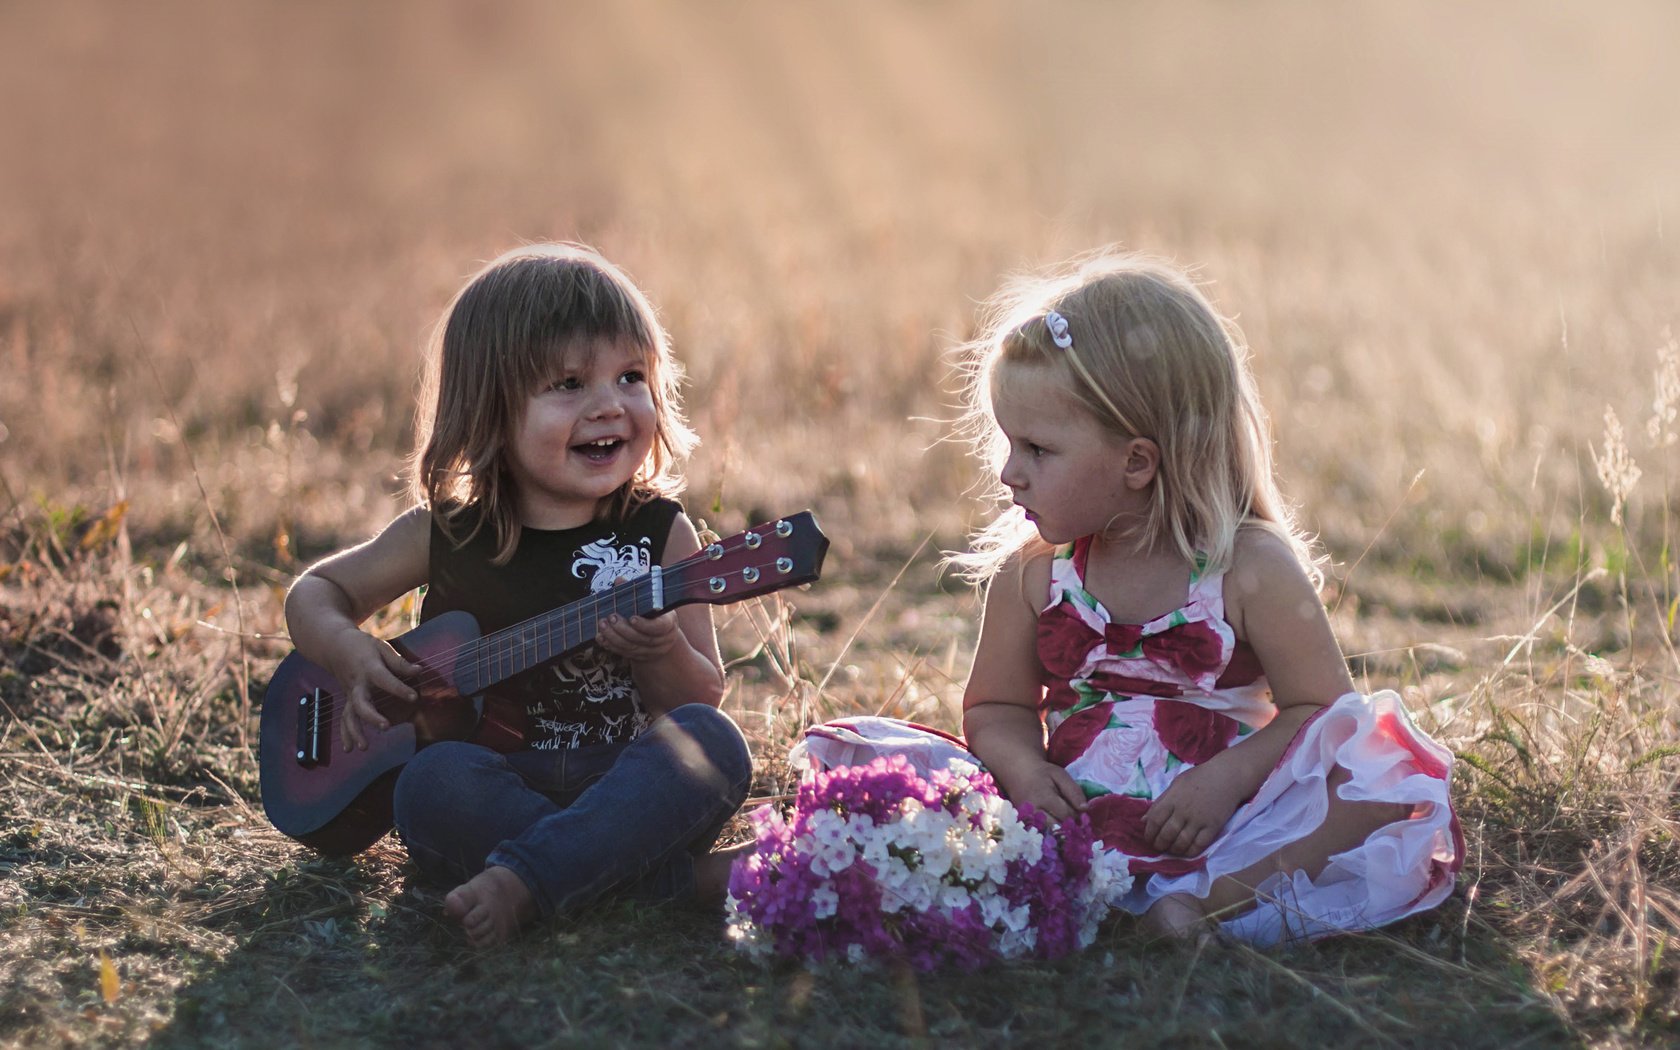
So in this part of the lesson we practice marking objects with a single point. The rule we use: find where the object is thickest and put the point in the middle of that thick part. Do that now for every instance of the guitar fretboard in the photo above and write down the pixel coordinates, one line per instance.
(504, 653)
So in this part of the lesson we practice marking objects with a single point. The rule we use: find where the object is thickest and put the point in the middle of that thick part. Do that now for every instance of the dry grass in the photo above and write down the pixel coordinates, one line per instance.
(1449, 235)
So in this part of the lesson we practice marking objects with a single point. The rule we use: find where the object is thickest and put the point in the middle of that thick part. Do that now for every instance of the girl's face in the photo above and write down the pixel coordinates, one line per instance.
(583, 433)
(1066, 470)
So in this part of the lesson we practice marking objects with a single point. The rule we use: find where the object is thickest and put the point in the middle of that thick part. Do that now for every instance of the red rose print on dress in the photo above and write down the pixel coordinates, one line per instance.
(1064, 641)
(1192, 732)
(1059, 695)
(1194, 648)
(1074, 736)
(1122, 638)
(1126, 685)
(1118, 821)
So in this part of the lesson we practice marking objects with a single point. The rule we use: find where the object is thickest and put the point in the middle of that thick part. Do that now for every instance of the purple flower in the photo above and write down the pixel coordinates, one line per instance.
(883, 862)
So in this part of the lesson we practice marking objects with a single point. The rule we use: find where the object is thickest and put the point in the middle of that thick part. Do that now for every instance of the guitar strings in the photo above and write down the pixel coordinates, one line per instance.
(593, 603)
(386, 703)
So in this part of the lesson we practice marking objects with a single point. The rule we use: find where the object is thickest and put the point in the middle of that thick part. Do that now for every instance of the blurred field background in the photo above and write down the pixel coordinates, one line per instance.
(1449, 232)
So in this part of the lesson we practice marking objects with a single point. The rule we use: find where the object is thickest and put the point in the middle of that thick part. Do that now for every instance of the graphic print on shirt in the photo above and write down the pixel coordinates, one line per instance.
(592, 684)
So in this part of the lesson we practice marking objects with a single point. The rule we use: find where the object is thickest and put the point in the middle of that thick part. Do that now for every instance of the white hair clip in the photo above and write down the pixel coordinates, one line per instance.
(1059, 333)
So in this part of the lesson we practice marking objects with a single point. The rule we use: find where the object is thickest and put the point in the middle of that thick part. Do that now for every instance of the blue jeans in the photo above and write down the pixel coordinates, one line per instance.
(577, 824)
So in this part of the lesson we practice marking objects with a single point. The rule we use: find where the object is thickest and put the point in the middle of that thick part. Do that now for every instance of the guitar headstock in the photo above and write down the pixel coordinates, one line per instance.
(780, 553)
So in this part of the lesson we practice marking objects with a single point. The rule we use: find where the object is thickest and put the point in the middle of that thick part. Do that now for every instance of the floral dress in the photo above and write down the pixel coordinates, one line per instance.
(1129, 707)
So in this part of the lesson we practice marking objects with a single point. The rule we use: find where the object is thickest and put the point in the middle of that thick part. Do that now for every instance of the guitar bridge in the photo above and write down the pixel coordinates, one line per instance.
(314, 735)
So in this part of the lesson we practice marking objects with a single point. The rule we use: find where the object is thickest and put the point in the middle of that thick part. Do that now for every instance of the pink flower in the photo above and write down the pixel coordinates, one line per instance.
(1194, 648)
(1064, 641)
(1192, 732)
(935, 869)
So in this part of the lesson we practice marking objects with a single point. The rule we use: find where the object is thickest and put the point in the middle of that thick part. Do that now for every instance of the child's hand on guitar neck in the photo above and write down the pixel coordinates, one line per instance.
(638, 638)
(366, 666)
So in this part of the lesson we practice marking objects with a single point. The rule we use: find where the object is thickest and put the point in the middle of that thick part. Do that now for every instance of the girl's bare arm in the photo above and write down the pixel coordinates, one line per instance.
(327, 604)
(1000, 703)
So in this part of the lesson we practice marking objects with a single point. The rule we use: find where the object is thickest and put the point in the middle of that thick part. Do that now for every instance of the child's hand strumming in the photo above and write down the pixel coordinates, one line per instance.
(363, 665)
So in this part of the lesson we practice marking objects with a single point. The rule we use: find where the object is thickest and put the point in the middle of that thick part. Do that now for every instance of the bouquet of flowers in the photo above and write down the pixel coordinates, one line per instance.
(879, 861)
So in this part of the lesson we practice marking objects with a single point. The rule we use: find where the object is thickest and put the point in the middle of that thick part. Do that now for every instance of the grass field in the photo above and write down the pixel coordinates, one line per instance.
(1450, 232)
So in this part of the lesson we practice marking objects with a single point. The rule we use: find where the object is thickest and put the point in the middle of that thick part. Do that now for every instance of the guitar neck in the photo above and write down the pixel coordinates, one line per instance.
(766, 558)
(502, 654)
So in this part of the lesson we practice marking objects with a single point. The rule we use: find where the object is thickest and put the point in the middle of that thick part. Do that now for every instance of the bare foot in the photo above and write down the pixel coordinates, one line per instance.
(1178, 916)
(711, 873)
(491, 906)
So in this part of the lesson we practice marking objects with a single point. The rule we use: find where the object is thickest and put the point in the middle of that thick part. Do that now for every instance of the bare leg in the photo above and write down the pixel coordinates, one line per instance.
(1177, 915)
(491, 906)
(1346, 824)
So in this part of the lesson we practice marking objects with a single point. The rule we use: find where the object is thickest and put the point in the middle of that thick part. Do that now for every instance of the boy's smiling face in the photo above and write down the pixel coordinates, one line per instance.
(583, 433)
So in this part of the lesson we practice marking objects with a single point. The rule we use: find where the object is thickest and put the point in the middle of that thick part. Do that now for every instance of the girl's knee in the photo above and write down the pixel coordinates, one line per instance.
(433, 772)
(717, 738)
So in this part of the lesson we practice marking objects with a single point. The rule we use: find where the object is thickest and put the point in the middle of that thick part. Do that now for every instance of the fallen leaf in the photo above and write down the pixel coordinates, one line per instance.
(105, 529)
(109, 986)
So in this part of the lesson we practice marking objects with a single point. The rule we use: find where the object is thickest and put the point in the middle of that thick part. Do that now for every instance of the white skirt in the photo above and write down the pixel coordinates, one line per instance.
(1400, 869)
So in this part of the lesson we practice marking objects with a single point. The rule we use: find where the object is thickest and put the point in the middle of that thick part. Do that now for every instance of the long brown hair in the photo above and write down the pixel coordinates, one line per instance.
(497, 341)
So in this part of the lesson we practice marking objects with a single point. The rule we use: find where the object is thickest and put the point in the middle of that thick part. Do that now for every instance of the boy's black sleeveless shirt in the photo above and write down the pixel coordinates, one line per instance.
(587, 696)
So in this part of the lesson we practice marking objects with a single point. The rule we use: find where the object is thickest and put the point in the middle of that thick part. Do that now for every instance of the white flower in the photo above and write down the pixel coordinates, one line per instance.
(923, 860)
(963, 768)
(1013, 944)
(982, 857)
(895, 880)
(873, 849)
(1022, 843)
(927, 831)
(827, 827)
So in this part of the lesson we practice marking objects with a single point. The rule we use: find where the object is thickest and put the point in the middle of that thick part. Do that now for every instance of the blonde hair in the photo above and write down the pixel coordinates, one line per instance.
(1150, 357)
(497, 341)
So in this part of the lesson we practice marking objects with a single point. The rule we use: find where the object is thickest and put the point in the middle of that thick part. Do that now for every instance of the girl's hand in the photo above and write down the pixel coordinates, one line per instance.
(332, 596)
(363, 665)
(640, 638)
(1045, 786)
(1191, 813)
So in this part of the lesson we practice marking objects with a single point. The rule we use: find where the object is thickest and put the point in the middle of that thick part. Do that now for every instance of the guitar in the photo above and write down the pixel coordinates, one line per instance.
(339, 802)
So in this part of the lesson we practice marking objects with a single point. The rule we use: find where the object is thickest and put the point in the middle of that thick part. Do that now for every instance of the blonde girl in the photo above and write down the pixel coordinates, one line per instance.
(1153, 653)
(549, 445)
